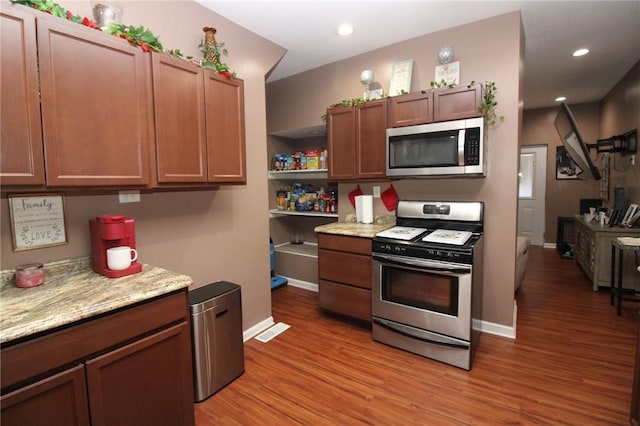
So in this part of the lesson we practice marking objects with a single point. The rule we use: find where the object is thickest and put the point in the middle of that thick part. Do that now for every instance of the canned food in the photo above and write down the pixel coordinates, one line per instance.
(30, 275)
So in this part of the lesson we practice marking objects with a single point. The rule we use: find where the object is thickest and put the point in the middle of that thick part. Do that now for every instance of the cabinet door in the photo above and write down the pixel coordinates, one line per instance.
(224, 100)
(148, 382)
(341, 143)
(411, 109)
(457, 103)
(178, 98)
(371, 137)
(57, 400)
(95, 106)
(21, 152)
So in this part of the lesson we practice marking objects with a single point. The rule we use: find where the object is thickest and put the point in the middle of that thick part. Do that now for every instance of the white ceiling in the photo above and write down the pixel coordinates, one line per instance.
(553, 30)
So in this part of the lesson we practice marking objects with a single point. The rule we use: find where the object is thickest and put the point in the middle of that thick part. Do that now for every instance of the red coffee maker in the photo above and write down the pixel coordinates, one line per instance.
(109, 231)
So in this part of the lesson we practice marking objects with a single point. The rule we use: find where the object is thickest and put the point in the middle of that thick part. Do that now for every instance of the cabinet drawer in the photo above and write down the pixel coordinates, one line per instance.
(346, 268)
(342, 243)
(343, 299)
(40, 355)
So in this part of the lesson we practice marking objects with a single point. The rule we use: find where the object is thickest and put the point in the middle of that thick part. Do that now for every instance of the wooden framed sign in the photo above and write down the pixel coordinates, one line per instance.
(37, 221)
(401, 77)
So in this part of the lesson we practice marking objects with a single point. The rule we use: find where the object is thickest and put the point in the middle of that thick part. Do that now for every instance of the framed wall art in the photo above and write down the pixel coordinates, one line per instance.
(565, 166)
(37, 221)
(401, 77)
(604, 177)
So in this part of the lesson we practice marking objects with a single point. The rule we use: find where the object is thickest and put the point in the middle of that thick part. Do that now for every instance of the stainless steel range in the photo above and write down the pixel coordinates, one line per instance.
(427, 280)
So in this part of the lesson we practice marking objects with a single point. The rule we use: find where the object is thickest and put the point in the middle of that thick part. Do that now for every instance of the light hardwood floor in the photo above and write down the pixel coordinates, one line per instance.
(571, 364)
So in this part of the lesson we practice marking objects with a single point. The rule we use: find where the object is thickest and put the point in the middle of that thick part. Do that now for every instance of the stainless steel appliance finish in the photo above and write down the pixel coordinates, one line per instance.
(425, 295)
(218, 351)
(449, 148)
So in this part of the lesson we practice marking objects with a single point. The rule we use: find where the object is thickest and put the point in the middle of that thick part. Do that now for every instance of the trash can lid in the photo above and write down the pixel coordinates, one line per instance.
(211, 291)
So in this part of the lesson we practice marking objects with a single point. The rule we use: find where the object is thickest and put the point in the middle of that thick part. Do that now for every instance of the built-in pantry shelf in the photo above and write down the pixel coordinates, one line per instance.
(299, 174)
(304, 249)
(276, 213)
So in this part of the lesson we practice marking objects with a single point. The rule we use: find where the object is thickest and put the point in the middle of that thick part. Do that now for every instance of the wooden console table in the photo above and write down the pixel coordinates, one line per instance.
(592, 251)
(618, 248)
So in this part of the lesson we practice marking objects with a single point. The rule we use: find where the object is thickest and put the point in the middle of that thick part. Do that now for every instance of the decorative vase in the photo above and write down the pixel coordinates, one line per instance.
(210, 46)
(105, 12)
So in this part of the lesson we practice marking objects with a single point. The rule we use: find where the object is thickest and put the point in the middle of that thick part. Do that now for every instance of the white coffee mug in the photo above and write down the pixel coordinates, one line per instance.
(119, 258)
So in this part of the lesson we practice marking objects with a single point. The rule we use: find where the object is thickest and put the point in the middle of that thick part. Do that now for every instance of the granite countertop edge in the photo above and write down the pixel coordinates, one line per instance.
(349, 227)
(73, 292)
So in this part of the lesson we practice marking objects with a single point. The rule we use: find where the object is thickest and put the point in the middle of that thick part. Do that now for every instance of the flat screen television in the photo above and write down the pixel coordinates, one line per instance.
(575, 145)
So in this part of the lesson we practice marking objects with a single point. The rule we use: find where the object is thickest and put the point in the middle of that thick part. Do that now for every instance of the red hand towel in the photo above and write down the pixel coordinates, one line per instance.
(353, 194)
(389, 198)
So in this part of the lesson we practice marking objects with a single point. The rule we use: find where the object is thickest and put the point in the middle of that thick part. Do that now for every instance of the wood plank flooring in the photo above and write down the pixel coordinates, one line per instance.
(571, 364)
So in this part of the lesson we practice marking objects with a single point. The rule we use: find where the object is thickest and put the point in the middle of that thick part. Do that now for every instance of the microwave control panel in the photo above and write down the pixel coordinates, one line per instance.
(472, 147)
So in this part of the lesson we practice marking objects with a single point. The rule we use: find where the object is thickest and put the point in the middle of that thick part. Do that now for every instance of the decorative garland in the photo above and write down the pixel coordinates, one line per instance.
(138, 36)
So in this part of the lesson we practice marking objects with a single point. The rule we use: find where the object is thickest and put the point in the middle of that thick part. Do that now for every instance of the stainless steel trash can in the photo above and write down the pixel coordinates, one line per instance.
(216, 327)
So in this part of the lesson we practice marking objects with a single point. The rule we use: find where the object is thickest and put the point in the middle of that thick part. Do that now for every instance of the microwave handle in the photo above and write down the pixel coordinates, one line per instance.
(461, 138)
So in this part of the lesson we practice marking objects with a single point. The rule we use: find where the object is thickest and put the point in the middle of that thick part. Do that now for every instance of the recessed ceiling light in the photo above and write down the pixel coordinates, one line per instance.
(345, 30)
(580, 52)
(561, 98)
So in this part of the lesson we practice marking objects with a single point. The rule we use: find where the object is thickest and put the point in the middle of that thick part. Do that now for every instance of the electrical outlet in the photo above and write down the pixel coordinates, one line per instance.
(129, 196)
(376, 192)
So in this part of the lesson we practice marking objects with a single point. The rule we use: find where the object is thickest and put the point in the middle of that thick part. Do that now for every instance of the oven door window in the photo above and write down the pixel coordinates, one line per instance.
(421, 290)
(424, 149)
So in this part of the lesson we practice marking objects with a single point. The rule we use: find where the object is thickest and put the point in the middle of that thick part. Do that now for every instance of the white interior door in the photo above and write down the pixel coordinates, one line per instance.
(531, 193)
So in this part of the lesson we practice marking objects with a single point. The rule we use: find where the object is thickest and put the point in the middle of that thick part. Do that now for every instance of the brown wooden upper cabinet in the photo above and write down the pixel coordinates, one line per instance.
(21, 151)
(199, 123)
(178, 96)
(95, 101)
(224, 106)
(96, 106)
(356, 139)
(457, 103)
(411, 109)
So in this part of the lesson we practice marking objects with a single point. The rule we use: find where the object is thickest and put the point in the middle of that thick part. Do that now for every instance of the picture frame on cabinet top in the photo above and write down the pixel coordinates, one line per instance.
(401, 77)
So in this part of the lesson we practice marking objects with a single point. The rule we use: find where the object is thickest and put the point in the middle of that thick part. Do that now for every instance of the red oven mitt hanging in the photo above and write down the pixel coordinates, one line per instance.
(353, 194)
(389, 198)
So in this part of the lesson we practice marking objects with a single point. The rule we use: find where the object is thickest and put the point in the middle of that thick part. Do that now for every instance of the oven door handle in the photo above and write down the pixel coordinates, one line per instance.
(426, 265)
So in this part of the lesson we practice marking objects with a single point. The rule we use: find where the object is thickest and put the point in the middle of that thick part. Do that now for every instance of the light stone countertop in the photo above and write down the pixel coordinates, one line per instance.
(73, 292)
(350, 228)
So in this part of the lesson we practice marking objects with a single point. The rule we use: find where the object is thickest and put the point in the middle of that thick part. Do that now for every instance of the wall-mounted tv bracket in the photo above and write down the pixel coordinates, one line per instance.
(626, 144)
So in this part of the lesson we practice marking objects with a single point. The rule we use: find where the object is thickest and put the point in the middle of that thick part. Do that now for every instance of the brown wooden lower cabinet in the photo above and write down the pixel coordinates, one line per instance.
(344, 271)
(57, 400)
(145, 378)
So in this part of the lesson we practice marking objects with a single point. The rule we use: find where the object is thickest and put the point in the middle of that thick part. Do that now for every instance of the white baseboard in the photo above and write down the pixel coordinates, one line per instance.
(483, 326)
(499, 329)
(257, 329)
(496, 329)
(302, 284)
(549, 245)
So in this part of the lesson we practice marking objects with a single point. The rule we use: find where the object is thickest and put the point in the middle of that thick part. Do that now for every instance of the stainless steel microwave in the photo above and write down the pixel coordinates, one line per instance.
(448, 148)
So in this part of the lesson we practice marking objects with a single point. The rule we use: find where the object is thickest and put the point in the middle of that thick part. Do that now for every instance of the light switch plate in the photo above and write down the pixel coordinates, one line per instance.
(129, 196)
(376, 192)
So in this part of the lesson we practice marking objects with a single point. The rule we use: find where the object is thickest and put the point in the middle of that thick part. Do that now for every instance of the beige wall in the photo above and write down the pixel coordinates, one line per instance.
(620, 113)
(489, 50)
(562, 196)
(210, 235)
(615, 114)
